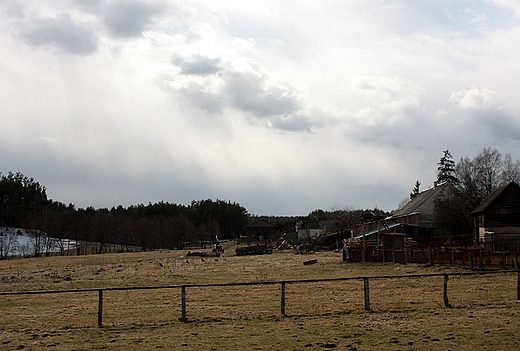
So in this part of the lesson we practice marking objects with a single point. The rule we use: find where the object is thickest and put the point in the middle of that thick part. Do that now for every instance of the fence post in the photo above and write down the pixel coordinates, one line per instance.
(367, 293)
(446, 301)
(393, 254)
(100, 309)
(452, 258)
(430, 256)
(518, 287)
(283, 299)
(470, 259)
(183, 303)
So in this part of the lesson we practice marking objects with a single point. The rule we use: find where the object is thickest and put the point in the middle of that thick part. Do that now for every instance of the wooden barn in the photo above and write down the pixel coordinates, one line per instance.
(421, 210)
(497, 219)
(261, 229)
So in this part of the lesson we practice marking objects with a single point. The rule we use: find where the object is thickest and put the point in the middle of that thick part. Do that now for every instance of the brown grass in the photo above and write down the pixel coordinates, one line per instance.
(407, 314)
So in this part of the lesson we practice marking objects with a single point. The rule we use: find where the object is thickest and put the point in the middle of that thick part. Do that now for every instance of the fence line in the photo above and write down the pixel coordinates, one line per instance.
(472, 259)
(283, 284)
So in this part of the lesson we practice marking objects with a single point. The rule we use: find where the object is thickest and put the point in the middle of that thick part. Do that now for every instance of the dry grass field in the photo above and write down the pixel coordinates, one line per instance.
(406, 314)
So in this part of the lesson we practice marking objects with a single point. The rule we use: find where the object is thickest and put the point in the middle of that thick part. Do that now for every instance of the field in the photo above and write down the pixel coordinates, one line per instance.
(406, 313)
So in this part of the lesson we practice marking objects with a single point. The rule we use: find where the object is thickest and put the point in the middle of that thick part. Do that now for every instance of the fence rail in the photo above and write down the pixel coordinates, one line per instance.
(472, 259)
(282, 284)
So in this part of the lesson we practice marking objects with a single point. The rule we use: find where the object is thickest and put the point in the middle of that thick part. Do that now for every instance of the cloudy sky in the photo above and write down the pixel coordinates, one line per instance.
(281, 106)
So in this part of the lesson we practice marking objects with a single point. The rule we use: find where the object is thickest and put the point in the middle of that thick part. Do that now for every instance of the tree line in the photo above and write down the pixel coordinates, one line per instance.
(162, 225)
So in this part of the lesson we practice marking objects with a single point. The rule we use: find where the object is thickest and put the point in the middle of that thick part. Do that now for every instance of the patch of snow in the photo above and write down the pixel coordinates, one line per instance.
(21, 242)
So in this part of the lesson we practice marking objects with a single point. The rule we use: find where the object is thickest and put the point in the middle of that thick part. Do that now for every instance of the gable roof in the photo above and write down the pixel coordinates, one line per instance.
(420, 199)
(261, 223)
(493, 196)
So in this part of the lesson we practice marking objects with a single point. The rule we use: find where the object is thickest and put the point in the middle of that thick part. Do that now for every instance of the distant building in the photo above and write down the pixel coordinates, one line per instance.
(261, 229)
(309, 228)
(415, 220)
(421, 210)
(497, 219)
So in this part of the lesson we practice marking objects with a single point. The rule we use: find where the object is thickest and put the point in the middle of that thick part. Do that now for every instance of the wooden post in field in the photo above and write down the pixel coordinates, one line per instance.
(429, 258)
(518, 287)
(481, 258)
(283, 299)
(393, 255)
(452, 258)
(183, 303)
(470, 259)
(367, 294)
(100, 309)
(446, 301)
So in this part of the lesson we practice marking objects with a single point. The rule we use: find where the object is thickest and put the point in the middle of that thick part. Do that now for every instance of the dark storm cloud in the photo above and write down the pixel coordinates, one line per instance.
(126, 19)
(60, 33)
(250, 93)
(502, 125)
(197, 64)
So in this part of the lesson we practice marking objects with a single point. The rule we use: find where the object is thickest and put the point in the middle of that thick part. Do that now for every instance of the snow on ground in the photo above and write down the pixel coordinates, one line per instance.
(20, 242)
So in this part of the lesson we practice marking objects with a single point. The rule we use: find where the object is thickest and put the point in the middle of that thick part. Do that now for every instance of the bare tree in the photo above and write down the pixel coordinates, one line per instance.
(488, 168)
(510, 170)
(8, 241)
(484, 173)
(342, 220)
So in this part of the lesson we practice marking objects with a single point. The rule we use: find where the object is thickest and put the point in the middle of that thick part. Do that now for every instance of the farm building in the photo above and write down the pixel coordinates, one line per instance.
(497, 219)
(393, 236)
(310, 228)
(416, 219)
(421, 210)
(261, 229)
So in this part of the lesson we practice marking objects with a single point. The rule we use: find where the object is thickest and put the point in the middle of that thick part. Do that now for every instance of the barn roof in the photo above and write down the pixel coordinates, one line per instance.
(420, 199)
(261, 223)
(493, 196)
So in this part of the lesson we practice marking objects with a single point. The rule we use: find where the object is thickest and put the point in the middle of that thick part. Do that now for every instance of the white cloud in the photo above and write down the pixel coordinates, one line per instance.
(473, 98)
(510, 4)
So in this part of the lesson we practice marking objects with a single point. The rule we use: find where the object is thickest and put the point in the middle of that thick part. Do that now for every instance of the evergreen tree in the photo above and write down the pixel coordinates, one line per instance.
(415, 190)
(446, 169)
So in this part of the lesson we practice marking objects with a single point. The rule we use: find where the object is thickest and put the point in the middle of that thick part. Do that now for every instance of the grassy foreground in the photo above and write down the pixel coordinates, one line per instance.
(406, 314)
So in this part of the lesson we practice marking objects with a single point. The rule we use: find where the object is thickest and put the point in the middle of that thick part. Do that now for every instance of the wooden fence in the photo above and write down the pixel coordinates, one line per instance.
(282, 284)
(472, 259)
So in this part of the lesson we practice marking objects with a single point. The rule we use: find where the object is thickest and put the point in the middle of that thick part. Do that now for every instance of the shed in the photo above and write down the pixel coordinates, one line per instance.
(497, 219)
(261, 229)
(421, 210)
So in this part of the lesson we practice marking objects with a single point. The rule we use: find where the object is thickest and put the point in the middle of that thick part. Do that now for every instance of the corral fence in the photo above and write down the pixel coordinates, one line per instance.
(472, 259)
(282, 284)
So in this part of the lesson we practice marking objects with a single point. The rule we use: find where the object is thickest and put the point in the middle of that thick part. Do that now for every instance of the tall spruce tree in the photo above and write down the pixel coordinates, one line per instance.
(446, 168)
(415, 190)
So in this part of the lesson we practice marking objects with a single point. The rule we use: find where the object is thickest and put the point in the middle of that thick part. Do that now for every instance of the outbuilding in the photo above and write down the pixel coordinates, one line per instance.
(497, 219)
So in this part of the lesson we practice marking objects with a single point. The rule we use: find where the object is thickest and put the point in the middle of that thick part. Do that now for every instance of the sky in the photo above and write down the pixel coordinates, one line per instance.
(281, 106)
